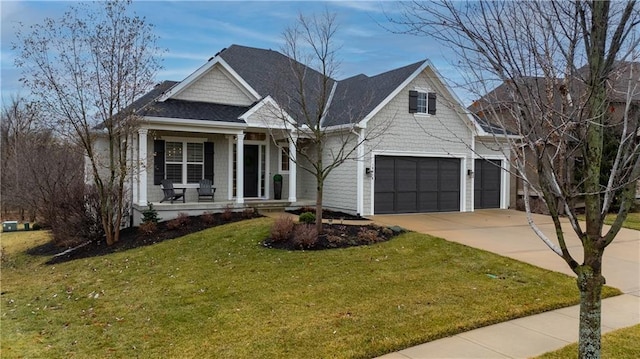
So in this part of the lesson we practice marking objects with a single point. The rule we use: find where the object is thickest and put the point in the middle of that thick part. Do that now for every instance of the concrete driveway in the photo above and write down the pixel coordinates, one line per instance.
(506, 232)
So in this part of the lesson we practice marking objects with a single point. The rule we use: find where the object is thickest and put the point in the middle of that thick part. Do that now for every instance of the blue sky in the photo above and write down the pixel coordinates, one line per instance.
(193, 31)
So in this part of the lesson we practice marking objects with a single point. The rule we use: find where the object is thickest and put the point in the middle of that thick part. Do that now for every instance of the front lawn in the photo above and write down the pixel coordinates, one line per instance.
(632, 221)
(619, 344)
(220, 294)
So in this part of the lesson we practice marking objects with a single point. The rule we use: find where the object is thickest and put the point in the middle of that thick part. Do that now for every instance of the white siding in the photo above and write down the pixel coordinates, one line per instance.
(217, 87)
(266, 116)
(442, 135)
(340, 187)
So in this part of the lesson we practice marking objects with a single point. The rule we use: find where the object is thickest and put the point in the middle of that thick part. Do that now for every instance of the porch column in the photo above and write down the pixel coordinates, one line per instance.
(293, 178)
(142, 167)
(240, 168)
(133, 163)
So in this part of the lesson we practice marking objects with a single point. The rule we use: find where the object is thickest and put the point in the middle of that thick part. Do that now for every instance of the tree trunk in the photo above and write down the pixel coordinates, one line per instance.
(319, 207)
(590, 282)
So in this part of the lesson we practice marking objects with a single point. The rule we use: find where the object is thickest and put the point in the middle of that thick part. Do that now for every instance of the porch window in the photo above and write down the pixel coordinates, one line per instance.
(184, 162)
(284, 160)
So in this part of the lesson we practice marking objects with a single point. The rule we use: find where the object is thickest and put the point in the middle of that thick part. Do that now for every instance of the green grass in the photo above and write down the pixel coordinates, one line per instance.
(620, 344)
(220, 294)
(632, 221)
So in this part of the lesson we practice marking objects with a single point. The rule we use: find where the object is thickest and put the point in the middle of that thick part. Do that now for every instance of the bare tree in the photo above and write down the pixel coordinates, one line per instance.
(19, 127)
(86, 68)
(312, 108)
(565, 78)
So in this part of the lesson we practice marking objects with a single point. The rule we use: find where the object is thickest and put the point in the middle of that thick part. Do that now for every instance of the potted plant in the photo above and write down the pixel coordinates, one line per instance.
(277, 186)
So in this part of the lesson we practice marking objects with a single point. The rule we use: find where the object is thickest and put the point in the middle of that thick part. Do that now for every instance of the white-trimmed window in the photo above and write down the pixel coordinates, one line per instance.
(184, 161)
(422, 102)
(284, 159)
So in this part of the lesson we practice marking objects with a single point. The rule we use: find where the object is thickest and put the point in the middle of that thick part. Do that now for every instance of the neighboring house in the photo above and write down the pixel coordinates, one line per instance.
(219, 123)
(497, 106)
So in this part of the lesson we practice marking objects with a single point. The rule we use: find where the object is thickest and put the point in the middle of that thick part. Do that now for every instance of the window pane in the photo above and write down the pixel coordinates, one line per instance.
(173, 151)
(174, 172)
(195, 152)
(284, 159)
(422, 102)
(194, 173)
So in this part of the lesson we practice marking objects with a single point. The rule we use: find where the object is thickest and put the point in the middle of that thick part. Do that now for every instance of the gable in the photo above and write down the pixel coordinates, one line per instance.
(448, 131)
(215, 86)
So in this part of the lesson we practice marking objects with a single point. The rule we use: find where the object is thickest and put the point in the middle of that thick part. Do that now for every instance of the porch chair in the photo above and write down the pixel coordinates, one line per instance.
(170, 192)
(206, 190)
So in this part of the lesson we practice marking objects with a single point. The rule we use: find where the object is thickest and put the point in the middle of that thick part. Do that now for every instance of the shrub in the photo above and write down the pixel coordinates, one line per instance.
(147, 228)
(248, 213)
(281, 229)
(334, 240)
(305, 236)
(208, 218)
(227, 215)
(181, 221)
(36, 226)
(307, 218)
(150, 214)
(77, 219)
(368, 235)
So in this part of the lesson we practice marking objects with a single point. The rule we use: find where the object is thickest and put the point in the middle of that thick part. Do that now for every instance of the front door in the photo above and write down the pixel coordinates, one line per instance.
(251, 170)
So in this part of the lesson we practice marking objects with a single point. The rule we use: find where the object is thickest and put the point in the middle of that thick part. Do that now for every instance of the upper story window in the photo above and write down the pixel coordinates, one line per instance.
(422, 102)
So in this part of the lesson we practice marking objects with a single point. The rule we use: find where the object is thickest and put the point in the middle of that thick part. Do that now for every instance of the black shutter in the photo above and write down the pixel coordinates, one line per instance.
(158, 161)
(208, 160)
(431, 103)
(413, 101)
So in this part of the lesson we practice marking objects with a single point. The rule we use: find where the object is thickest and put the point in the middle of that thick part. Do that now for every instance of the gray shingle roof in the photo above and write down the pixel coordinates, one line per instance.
(271, 73)
(357, 96)
(192, 110)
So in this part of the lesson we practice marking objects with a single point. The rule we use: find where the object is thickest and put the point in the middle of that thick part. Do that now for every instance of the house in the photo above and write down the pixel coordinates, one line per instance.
(568, 96)
(219, 124)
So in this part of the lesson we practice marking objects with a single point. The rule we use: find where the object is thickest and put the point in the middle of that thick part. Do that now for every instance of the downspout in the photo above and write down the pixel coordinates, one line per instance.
(360, 171)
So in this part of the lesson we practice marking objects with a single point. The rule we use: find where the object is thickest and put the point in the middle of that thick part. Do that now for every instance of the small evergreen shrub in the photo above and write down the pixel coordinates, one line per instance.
(281, 229)
(36, 226)
(150, 214)
(305, 236)
(307, 218)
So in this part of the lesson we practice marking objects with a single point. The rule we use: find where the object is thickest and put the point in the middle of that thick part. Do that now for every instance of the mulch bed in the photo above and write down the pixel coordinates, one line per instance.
(328, 214)
(334, 236)
(132, 238)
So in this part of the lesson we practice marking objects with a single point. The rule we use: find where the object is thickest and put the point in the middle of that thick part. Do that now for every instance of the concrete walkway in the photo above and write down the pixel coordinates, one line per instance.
(507, 233)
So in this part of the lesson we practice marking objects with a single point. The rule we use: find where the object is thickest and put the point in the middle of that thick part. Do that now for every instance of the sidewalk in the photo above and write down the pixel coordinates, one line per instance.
(525, 337)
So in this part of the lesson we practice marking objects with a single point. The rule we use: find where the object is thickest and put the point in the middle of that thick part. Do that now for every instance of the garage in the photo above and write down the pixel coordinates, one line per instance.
(486, 193)
(416, 184)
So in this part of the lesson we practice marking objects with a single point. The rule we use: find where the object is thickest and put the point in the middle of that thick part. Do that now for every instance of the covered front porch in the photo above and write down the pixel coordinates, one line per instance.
(171, 210)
